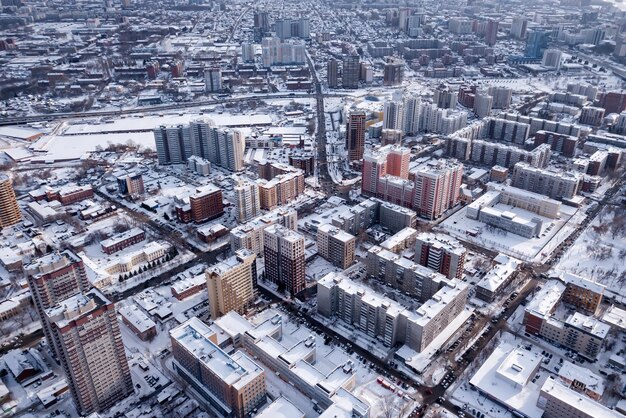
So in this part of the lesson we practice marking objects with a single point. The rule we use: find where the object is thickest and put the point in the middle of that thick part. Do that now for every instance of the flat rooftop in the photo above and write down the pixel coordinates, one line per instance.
(577, 400)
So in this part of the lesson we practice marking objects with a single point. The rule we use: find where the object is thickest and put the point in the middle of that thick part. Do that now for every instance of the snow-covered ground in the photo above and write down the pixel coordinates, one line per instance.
(599, 253)
(515, 245)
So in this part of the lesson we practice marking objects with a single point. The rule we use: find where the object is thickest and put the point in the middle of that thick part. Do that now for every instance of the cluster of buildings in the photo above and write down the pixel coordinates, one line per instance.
(430, 189)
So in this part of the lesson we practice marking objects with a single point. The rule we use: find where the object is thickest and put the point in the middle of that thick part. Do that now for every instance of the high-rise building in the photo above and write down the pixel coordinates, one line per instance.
(620, 47)
(224, 147)
(536, 43)
(247, 52)
(231, 283)
(53, 278)
(213, 79)
(279, 52)
(518, 27)
(206, 203)
(501, 97)
(231, 385)
(9, 210)
(350, 72)
(284, 258)
(332, 71)
(393, 72)
(86, 335)
(445, 97)
(440, 253)
(248, 203)
(173, 144)
(552, 58)
(411, 121)
(483, 103)
(491, 32)
(393, 115)
(250, 235)
(590, 115)
(437, 188)
(336, 245)
(130, 184)
(355, 135)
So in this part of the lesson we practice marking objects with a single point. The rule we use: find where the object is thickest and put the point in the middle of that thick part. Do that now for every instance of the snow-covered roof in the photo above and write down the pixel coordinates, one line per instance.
(137, 317)
(570, 372)
(281, 408)
(580, 402)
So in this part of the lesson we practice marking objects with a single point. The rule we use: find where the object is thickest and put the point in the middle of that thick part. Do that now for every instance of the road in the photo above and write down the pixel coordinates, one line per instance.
(150, 109)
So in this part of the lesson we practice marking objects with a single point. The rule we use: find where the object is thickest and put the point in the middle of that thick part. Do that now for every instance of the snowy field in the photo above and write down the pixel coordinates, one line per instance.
(553, 232)
(599, 253)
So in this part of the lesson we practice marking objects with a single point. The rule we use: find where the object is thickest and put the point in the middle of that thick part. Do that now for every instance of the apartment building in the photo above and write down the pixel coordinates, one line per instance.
(231, 283)
(437, 188)
(206, 203)
(440, 253)
(53, 278)
(552, 183)
(377, 163)
(86, 335)
(284, 258)
(404, 274)
(355, 132)
(9, 210)
(281, 190)
(336, 245)
(383, 318)
(250, 235)
(232, 385)
(248, 202)
(557, 401)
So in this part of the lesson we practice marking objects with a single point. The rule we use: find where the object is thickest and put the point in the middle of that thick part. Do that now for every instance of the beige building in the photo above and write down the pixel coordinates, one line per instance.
(248, 202)
(86, 334)
(559, 401)
(53, 278)
(231, 283)
(232, 385)
(336, 245)
(9, 210)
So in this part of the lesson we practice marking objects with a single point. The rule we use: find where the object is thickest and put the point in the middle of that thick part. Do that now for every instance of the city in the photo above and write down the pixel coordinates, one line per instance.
(303, 209)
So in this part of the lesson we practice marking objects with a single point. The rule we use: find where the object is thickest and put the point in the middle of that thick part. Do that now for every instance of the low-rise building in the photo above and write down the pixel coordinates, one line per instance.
(138, 322)
(122, 240)
(559, 401)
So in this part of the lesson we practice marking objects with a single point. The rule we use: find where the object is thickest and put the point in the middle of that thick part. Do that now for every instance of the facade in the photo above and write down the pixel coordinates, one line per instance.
(578, 332)
(223, 147)
(332, 71)
(86, 335)
(590, 115)
(206, 204)
(564, 144)
(9, 210)
(250, 235)
(231, 283)
(350, 72)
(232, 385)
(555, 184)
(380, 317)
(380, 162)
(188, 286)
(213, 80)
(336, 245)
(53, 278)
(497, 278)
(558, 401)
(122, 240)
(280, 190)
(355, 135)
(130, 184)
(69, 194)
(393, 115)
(445, 97)
(393, 72)
(437, 188)
(440, 253)
(248, 202)
(284, 258)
